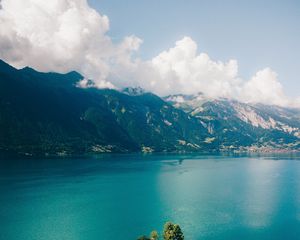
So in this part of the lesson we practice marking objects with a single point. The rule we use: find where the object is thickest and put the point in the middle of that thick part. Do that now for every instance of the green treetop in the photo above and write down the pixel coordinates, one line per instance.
(172, 232)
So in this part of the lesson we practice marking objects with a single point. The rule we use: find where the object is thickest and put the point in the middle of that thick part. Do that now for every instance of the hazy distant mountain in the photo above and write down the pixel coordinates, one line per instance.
(240, 126)
(47, 114)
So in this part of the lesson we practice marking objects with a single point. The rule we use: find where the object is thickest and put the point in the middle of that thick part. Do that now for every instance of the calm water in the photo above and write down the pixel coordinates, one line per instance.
(122, 197)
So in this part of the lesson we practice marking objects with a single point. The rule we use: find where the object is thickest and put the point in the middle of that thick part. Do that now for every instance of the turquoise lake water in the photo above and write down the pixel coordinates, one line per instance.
(123, 196)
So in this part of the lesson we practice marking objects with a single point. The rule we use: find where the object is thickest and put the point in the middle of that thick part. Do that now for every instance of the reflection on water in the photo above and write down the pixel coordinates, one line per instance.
(261, 192)
(211, 197)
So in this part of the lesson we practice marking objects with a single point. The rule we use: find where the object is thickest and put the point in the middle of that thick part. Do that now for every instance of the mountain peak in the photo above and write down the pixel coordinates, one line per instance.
(133, 91)
(5, 67)
(71, 74)
(182, 98)
(75, 75)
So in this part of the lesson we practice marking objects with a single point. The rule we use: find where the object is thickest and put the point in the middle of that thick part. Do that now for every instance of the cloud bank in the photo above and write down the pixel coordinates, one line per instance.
(66, 35)
(60, 35)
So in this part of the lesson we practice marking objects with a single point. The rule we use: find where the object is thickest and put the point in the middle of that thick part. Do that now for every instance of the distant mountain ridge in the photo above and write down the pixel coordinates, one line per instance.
(241, 126)
(47, 114)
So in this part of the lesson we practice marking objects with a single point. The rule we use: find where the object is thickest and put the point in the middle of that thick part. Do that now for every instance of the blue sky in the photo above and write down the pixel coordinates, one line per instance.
(257, 33)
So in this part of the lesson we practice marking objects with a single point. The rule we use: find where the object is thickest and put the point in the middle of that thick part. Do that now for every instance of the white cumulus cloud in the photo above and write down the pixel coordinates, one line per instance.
(264, 87)
(184, 70)
(60, 35)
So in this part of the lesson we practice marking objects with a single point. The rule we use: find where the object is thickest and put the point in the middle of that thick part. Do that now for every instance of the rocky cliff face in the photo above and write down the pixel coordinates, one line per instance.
(241, 126)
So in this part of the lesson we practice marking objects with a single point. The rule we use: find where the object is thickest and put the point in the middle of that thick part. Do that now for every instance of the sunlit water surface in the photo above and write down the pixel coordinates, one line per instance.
(123, 196)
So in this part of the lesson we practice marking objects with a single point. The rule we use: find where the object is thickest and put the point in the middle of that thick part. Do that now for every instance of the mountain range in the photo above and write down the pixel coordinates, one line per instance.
(48, 114)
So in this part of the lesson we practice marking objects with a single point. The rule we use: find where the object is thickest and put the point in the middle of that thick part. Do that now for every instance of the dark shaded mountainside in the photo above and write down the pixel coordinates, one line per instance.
(47, 114)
